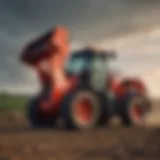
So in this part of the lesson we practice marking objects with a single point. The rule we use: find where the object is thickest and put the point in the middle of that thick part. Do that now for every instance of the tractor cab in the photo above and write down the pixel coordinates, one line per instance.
(91, 67)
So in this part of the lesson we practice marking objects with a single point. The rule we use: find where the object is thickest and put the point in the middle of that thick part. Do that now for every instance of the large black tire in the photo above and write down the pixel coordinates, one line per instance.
(35, 117)
(67, 110)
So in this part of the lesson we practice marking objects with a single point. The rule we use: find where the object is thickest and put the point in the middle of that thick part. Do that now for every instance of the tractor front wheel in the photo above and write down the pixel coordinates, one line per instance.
(134, 111)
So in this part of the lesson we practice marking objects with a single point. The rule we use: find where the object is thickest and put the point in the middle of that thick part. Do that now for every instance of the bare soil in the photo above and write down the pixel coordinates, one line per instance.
(19, 142)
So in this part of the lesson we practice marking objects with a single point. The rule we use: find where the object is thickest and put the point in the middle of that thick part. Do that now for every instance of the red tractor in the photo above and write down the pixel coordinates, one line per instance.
(79, 89)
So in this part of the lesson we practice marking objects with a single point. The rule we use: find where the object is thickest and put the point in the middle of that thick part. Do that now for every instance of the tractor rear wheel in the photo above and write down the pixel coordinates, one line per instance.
(82, 110)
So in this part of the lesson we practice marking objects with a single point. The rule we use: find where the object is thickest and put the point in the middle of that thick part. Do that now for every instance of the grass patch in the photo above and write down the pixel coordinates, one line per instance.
(13, 102)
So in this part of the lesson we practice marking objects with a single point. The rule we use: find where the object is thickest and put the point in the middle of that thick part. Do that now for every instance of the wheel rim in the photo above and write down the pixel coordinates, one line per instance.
(137, 113)
(84, 110)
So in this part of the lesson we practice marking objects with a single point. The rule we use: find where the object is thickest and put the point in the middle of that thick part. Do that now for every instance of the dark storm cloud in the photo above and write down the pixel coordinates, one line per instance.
(88, 20)
(109, 17)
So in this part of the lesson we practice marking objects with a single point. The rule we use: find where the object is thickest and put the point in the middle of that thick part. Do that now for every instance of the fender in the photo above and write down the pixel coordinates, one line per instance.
(125, 85)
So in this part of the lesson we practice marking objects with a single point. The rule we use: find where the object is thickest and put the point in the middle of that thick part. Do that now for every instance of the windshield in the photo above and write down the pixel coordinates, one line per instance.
(79, 62)
(76, 65)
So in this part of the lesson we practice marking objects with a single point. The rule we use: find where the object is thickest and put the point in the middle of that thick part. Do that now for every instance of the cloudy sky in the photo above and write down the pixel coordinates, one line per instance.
(131, 27)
